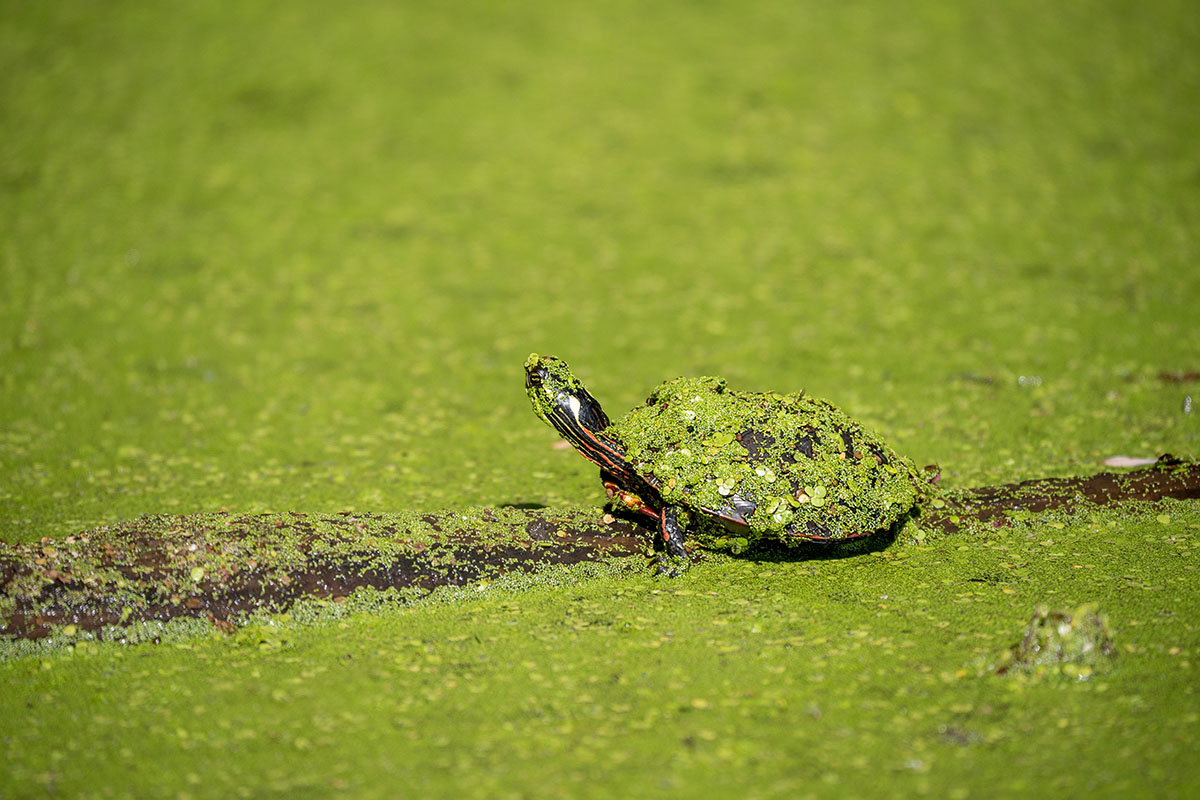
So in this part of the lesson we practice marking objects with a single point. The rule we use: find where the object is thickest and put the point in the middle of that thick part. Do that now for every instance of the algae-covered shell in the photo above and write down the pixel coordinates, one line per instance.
(786, 466)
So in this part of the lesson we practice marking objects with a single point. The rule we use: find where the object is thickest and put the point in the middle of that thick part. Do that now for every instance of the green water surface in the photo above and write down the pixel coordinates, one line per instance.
(266, 257)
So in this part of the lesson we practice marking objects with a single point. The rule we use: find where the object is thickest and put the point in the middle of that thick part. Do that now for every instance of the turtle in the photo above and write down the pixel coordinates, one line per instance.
(730, 468)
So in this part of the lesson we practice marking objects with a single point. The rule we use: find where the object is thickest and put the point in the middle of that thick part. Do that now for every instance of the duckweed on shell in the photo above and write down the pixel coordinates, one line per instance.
(754, 443)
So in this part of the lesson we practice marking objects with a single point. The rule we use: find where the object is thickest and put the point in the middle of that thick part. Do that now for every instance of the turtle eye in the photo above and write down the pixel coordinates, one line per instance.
(535, 376)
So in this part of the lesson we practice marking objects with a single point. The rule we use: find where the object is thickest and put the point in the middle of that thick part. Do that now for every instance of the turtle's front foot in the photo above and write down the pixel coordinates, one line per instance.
(670, 566)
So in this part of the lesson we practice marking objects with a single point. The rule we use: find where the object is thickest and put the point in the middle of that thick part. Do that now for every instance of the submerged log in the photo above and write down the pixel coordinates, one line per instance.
(1169, 477)
(221, 567)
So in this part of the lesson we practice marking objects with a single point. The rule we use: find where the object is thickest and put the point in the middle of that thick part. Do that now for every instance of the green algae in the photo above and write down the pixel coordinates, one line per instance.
(261, 261)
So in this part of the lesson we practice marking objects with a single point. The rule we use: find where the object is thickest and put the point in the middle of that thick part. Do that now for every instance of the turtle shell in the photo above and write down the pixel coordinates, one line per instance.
(766, 464)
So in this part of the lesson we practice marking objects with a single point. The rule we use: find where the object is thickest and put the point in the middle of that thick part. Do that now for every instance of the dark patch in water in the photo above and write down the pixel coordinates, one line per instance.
(1169, 477)
(1179, 377)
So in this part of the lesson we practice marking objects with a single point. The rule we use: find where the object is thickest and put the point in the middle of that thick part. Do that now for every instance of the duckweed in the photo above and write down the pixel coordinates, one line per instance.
(1074, 642)
(773, 653)
(261, 259)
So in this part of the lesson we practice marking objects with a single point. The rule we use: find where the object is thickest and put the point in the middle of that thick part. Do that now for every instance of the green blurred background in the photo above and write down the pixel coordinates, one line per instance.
(291, 256)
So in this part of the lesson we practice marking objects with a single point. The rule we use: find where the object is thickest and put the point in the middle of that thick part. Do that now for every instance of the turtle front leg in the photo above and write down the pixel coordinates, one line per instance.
(672, 558)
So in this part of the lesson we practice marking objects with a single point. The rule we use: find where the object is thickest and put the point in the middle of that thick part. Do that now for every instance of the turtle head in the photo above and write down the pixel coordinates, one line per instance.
(561, 400)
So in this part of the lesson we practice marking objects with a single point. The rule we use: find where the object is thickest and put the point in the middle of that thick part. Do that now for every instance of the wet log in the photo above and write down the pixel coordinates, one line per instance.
(222, 567)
